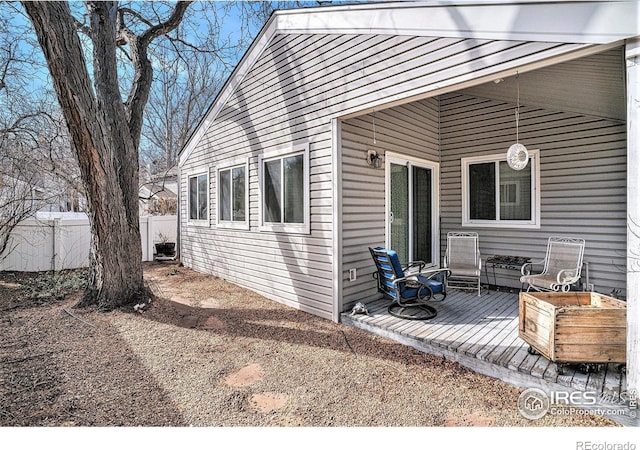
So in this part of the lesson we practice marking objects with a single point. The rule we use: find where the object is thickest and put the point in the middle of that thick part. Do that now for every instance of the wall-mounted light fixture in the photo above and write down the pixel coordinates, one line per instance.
(373, 159)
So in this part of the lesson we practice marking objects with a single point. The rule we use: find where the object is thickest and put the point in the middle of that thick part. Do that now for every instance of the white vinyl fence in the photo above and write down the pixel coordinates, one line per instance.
(152, 231)
(63, 243)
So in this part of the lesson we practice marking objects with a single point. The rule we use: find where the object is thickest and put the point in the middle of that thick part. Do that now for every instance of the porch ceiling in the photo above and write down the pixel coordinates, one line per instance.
(593, 86)
(590, 84)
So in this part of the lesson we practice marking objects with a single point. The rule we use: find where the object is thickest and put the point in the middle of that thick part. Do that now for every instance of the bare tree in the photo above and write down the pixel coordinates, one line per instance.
(36, 169)
(183, 91)
(194, 63)
(36, 166)
(104, 129)
(105, 125)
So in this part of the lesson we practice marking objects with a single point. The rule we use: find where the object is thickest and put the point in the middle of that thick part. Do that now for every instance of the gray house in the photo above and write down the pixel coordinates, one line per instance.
(335, 116)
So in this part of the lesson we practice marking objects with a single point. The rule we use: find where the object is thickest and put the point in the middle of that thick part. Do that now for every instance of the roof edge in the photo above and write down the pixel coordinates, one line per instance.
(594, 22)
(243, 67)
(591, 22)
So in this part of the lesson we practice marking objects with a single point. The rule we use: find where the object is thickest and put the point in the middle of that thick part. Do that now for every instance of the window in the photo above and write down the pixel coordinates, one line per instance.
(233, 198)
(199, 198)
(494, 195)
(284, 190)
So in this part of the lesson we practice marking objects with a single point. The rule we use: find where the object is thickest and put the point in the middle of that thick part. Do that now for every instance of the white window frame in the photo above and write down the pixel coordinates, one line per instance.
(198, 222)
(236, 224)
(534, 156)
(302, 228)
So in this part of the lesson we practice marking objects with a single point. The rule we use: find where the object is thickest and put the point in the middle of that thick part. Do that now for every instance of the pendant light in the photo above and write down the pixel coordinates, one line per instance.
(517, 155)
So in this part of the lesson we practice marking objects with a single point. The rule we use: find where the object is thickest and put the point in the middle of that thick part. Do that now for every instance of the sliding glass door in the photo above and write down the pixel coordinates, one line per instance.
(412, 213)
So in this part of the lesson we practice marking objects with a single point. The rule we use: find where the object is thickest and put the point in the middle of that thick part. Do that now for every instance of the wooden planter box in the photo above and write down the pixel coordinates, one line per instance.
(574, 327)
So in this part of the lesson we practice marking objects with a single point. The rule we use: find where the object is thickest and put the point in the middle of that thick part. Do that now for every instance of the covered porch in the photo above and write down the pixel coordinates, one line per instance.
(481, 333)
(579, 184)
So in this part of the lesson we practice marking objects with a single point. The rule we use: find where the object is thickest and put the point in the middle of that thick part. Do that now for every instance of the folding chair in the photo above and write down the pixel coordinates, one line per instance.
(462, 260)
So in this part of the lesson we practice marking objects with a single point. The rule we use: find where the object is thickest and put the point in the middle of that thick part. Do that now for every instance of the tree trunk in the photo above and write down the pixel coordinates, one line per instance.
(103, 142)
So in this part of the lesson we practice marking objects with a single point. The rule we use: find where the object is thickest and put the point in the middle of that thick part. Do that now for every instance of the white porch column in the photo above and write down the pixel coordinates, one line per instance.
(633, 215)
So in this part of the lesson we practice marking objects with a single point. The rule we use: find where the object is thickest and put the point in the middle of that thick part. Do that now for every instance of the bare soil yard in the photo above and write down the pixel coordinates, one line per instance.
(205, 352)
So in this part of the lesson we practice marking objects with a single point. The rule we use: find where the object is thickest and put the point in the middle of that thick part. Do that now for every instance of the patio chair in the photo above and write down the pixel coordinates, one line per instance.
(462, 260)
(561, 266)
(409, 287)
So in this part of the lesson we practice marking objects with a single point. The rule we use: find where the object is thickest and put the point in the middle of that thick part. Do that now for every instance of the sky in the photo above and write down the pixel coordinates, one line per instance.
(39, 76)
(32, 80)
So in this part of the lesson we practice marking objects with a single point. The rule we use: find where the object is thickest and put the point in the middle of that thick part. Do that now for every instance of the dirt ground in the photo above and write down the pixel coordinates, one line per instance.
(207, 353)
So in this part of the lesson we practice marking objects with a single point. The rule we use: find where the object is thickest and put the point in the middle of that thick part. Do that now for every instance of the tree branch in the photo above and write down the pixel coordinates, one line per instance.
(141, 85)
(170, 24)
(136, 14)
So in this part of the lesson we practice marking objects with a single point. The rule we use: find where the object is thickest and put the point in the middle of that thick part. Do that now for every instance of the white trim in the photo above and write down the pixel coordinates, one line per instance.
(197, 173)
(305, 227)
(179, 216)
(589, 22)
(535, 196)
(337, 245)
(233, 224)
(396, 158)
(594, 22)
(632, 55)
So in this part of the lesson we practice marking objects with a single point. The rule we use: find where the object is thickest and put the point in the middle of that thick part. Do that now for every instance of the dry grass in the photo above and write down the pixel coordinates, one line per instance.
(209, 354)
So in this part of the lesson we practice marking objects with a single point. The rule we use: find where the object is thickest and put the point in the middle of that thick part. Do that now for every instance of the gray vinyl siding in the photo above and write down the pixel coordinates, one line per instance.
(289, 96)
(588, 86)
(582, 181)
(574, 113)
(295, 269)
(410, 130)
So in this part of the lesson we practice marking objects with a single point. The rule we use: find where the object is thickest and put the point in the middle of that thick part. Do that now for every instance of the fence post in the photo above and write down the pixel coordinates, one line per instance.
(57, 245)
(150, 246)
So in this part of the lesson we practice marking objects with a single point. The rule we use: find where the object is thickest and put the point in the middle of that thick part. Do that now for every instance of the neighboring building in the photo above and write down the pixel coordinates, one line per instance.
(337, 117)
(158, 193)
(47, 194)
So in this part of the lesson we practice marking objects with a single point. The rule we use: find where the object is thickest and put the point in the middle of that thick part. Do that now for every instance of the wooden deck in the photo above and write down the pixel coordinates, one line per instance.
(481, 333)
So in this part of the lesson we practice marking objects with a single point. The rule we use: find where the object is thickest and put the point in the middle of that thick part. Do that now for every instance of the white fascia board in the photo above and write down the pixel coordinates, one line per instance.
(589, 22)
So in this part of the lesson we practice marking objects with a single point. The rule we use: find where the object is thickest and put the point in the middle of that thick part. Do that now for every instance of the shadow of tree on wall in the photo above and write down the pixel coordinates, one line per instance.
(289, 254)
